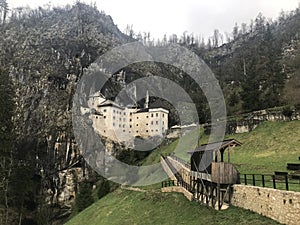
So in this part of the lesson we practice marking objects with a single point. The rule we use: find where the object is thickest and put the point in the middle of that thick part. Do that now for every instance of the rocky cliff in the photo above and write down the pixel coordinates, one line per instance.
(45, 52)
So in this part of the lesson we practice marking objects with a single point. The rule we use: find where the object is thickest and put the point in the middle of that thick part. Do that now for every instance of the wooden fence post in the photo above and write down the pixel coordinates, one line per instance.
(274, 181)
(286, 183)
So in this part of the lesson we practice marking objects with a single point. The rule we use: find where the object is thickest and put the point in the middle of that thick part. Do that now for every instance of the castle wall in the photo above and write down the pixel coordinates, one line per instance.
(124, 124)
(282, 206)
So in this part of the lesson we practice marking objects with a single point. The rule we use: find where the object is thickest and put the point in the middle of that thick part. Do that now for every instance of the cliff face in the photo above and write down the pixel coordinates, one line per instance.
(45, 53)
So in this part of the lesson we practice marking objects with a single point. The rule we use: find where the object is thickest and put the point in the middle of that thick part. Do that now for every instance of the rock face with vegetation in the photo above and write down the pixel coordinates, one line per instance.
(43, 54)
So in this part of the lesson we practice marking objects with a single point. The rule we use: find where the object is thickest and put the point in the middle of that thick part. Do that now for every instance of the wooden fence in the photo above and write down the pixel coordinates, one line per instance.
(279, 180)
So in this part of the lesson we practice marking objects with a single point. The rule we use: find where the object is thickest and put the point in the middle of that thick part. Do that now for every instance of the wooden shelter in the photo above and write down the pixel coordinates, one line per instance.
(211, 176)
(209, 158)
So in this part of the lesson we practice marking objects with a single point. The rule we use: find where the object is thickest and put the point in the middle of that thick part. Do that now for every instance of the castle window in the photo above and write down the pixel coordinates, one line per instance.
(156, 130)
(156, 122)
(114, 111)
(137, 131)
(156, 114)
(114, 124)
(120, 125)
(163, 115)
(104, 110)
(137, 125)
(124, 114)
(146, 124)
(130, 126)
(124, 131)
(137, 118)
(151, 122)
(151, 114)
(123, 119)
(114, 117)
(104, 131)
(96, 117)
(147, 116)
(104, 117)
(130, 114)
(130, 120)
(147, 131)
(123, 125)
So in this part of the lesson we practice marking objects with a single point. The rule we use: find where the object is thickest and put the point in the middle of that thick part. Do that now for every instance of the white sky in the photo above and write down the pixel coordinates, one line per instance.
(200, 17)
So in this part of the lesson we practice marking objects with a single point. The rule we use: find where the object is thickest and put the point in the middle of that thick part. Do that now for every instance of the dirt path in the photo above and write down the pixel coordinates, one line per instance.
(132, 189)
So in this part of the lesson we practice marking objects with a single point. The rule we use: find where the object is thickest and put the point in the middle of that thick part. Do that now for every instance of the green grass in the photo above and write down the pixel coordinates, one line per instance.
(266, 149)
(130, 207)
(180, 147)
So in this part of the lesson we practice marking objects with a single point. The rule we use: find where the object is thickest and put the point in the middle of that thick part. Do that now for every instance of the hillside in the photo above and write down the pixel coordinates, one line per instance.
(152, 207)
(259, 68)
(43, 52)
(264, 150)
(43, 55)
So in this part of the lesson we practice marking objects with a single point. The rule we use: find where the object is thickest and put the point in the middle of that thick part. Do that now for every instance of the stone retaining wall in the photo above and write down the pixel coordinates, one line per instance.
(179, 189)
(282, 206)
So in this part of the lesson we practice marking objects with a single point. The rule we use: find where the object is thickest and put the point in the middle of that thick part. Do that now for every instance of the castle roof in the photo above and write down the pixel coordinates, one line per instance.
(110, 103)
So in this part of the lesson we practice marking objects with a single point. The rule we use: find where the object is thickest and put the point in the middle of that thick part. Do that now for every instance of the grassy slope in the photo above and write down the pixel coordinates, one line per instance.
(266, 149)
(130, 207)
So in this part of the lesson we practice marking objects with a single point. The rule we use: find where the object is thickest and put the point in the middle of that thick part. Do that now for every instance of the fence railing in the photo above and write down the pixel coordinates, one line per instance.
(183, 162)
(181, 183)
(168, 183)
(281, 181)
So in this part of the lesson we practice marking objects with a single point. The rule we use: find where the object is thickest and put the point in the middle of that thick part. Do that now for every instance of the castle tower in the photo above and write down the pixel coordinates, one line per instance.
(147, 100)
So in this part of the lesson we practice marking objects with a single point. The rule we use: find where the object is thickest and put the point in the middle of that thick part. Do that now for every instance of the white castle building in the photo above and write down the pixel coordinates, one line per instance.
(123, 124)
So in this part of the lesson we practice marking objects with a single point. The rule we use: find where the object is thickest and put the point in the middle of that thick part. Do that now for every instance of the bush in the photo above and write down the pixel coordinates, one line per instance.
(287, 111)
(84, 197)
(104, 188)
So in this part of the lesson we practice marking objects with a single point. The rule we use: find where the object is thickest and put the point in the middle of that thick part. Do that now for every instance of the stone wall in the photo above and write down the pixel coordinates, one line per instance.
(248, 122)
(179, 189)
(282, 206)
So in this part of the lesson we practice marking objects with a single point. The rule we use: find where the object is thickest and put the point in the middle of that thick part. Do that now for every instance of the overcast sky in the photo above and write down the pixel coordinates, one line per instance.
(200, 17)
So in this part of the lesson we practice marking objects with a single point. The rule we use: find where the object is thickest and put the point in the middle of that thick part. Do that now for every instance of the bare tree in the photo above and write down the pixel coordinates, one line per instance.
(3, 10)
(216, 38)
(244, 28)
(235, 32)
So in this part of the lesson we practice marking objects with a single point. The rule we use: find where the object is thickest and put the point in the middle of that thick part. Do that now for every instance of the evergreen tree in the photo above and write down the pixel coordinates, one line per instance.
(273, 78)
(6, 141)
(251, 90)
(84, 197)
(103, 188)
(263, 80)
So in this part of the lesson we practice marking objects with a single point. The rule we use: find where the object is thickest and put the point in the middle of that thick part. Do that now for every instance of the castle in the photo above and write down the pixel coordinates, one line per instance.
(123, 124)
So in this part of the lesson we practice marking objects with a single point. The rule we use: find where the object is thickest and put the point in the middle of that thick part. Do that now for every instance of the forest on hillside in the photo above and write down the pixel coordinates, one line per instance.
(257, 64)
(43, 54)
